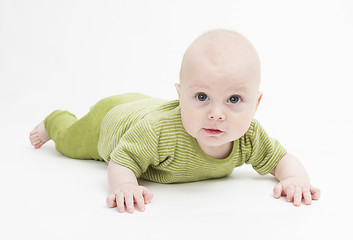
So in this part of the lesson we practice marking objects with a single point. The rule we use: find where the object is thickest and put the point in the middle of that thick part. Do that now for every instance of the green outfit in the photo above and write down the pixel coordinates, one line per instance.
(146, 135)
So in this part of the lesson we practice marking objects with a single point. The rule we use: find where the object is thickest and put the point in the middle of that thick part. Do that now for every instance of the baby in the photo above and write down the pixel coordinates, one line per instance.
(205, 134)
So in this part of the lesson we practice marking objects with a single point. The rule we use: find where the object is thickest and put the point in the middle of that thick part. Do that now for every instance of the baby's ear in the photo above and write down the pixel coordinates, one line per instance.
(259, 99)
(177, 86)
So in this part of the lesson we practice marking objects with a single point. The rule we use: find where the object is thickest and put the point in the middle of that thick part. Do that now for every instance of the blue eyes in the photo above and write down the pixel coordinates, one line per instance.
(201, 97)
(233, 99)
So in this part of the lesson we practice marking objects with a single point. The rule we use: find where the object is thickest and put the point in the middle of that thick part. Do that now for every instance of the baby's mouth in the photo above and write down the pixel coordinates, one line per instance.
(212, 131)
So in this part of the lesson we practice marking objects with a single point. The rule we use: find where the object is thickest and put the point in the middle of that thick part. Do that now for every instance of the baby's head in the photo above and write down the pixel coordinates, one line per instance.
(219, 88)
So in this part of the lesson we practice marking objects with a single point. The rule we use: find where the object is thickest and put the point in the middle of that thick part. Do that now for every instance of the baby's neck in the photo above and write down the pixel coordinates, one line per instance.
(219, 152)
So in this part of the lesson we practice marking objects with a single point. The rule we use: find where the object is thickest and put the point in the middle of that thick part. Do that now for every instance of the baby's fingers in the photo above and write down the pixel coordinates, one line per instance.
(315, 193)
(297, 199)
(290, 191)
(307, 196)
(277, 191)
(147, 195)
(129, 201)
(111, 201)
(120, 201)
(140, 204)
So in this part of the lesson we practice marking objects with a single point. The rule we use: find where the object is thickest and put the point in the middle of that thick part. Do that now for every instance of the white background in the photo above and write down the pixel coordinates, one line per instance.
(68, 54)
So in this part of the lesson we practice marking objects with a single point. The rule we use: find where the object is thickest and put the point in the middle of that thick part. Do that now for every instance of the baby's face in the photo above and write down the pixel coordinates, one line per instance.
(218, 99)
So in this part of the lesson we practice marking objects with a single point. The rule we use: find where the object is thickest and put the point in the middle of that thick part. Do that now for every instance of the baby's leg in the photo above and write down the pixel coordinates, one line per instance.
(75, 138)
(78, 138)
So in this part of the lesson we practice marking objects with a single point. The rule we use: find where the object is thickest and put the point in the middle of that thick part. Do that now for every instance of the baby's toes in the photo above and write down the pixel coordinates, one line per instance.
(33, 133)
(35, 141)
(38, 145)
(38, 136)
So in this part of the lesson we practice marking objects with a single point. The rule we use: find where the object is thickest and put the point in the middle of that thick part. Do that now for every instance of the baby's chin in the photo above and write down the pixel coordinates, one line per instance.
(212, 141)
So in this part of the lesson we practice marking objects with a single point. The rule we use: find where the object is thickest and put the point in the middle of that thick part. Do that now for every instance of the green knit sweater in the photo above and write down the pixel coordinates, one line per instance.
(147, 136)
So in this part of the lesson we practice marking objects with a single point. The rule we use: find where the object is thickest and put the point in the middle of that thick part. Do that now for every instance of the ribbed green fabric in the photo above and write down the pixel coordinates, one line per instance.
(78, 138)
(147, 136)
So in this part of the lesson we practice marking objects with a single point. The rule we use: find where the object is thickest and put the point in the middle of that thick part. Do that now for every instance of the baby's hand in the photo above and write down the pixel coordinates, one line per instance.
(126, 195)
(296, 189)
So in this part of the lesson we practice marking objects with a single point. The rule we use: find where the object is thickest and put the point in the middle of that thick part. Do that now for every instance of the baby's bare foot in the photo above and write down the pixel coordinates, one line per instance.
(39, 136)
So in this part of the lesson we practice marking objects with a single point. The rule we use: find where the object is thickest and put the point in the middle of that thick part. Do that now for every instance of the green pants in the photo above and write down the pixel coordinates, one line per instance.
(78, 138)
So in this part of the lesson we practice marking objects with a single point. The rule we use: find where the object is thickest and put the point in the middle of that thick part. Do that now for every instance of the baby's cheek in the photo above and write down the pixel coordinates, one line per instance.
(244, 126)
(189, 113)
(190, 123)
(240, 126)
(190, 129)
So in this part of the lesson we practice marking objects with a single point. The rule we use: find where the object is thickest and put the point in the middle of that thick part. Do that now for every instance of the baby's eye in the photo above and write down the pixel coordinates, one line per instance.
(234, 99)
(201, 97)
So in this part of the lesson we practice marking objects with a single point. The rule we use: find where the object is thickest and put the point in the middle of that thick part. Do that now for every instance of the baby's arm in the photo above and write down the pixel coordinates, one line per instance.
(124, 189)
(294, 182)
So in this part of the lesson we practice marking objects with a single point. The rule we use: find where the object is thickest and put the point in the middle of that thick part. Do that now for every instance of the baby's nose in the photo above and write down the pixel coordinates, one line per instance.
(216, 112)
(215, 116)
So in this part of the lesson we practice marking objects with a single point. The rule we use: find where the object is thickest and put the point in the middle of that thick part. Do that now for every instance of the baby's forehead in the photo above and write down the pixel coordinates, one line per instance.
(222, 85)
(221, 80)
